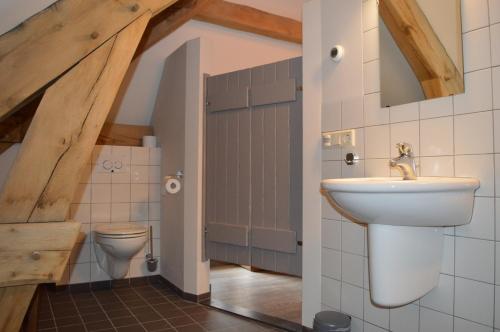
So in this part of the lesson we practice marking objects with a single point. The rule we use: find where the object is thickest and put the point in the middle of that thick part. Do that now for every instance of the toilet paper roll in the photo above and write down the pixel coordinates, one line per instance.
(172, 186)
(149, 141)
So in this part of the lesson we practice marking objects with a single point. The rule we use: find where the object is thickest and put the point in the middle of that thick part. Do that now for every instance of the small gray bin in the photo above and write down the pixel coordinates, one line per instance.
(331, 321)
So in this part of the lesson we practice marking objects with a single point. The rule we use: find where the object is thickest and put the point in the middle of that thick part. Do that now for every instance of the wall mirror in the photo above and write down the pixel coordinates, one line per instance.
(420, 50)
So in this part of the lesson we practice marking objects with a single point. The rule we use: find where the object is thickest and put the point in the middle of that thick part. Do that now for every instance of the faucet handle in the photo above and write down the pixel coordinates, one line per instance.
(404, 149)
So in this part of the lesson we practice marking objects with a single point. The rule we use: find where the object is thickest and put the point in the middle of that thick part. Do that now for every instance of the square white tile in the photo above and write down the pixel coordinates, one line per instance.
(139, 211)
(155, 156)
(474, 41)
(496, 87)
(434, 321)
(120, 212)
(331, 263)
(139, 174)
(375, 314)
(377, 142)
(474, 301)
(437, 166)
(374, 113)
(371, 76)
(475, 259)
(478, 93)
(154, 192)
(353, 238)
(331, 116)
(441, 297)
(406, 112)
(352, 113)
(436, 137)
(405, 319)
(120, 192)
(377, 167)
(370, 15)
(352, 269)
(331, 234)
(495, 44)
(121, 153)
(139, 192)
(79, 273)
(437, 107)
(352, 300)
(101, 193)
(330, 292)
(139, 155)
(479, 166)
(100, 212)
(474, 133)
(370, 45)
(154, 211)
(448, 259)
(494, 11)
(462, 325)
(474, 14)
(154, 174)
(497, 307)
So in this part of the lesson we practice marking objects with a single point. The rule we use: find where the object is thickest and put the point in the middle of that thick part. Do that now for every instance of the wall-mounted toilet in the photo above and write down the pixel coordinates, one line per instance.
(116, 244)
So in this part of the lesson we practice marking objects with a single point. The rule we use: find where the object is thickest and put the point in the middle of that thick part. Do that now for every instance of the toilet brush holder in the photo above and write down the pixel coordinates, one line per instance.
(150, 260)
(152, 263)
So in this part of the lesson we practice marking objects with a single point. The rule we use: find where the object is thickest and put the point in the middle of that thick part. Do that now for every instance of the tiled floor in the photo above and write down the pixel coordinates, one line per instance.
(151, 306)
(267, 293)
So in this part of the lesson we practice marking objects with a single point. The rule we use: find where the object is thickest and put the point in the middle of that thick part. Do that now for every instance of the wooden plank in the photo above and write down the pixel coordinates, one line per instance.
(14, 302)
(252, 20)
(39, 236)
(235, 98)
(35, 253)
(122, 134)
(59, 142)
(49, 43)
(422, 48)
(274, 239)
(281, 91)
(229, 234)
(169, 20)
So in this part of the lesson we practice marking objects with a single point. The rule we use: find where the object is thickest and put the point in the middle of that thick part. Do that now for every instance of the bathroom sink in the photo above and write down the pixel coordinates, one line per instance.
(405, 228)
(427, 201)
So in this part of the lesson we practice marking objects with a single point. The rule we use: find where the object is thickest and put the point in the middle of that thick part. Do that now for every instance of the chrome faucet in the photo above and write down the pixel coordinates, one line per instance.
(405, 162)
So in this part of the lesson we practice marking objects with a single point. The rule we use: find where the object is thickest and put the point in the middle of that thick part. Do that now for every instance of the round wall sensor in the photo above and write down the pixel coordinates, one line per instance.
(337, 53)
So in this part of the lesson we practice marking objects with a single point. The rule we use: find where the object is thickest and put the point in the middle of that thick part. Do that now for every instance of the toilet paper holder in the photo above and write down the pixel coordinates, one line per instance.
(178, 175)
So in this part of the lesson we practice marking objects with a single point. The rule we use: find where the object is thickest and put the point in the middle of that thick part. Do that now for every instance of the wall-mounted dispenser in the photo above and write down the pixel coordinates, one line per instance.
(338, 138)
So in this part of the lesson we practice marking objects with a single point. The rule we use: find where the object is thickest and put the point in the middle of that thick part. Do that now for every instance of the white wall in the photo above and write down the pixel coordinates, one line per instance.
(227, 50)
(452, 136)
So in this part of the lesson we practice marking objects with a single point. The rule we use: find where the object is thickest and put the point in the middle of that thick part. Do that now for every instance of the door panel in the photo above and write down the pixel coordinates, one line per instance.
(253, 165)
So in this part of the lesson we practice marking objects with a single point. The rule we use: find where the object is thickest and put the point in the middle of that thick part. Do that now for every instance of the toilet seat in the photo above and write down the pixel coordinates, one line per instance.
(120, 231)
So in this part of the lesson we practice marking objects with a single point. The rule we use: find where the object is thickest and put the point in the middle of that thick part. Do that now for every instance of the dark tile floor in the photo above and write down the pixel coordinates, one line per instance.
(151, 306)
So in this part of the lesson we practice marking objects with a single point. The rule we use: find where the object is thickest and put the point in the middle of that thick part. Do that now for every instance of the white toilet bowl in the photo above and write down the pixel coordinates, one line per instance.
(116, 244)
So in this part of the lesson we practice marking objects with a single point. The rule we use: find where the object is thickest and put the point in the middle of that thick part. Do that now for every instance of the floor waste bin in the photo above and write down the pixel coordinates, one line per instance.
(331, 321)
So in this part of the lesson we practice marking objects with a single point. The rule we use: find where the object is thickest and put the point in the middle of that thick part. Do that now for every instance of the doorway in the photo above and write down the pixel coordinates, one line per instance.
(253, 191)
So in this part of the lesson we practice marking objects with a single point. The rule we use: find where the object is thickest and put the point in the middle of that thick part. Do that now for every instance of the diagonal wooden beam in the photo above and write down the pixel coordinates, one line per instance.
(252, 20)
(170, 19)
(14, 302)
(45, 46)
(422, 48)
(60, 139)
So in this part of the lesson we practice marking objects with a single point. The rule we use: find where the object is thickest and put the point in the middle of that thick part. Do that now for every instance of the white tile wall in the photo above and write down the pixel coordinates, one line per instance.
(453, 136)
(128, 194)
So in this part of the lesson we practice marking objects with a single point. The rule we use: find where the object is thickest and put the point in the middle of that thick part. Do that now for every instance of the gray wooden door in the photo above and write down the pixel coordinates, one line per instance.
(253, 167)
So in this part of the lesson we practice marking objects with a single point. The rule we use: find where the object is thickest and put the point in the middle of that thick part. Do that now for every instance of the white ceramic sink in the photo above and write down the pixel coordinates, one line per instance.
(405, 228)
(427, 201)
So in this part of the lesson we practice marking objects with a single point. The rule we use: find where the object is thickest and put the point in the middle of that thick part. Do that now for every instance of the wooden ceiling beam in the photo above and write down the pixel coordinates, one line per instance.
(422, 48)
(49, 43)
(249, 19)
(59, 142)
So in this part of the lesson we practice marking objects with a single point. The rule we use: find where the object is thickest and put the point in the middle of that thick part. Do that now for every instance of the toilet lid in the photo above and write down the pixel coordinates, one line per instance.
(120, 229)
